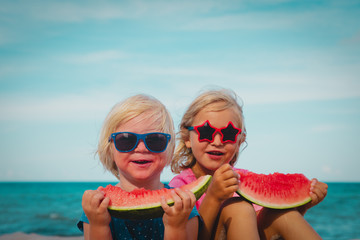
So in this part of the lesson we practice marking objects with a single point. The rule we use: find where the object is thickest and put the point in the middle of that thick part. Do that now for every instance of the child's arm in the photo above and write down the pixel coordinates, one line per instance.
(95, 207)
(318, 192)
(176, 222)
(224, 183)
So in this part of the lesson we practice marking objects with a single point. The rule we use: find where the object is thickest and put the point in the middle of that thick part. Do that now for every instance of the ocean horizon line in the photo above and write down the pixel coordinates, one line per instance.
(103, 181)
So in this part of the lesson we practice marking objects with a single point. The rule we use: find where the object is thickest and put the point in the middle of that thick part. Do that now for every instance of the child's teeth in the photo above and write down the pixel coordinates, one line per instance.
(215, 153)
(141, 162)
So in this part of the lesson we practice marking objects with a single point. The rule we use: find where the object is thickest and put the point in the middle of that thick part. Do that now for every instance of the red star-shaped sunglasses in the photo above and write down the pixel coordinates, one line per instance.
(206, 132)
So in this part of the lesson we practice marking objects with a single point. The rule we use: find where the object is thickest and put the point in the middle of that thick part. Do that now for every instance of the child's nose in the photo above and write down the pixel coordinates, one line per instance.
(217, 139)
(141, 147)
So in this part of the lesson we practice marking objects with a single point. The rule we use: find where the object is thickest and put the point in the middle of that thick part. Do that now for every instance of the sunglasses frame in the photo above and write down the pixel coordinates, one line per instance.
(217, 130)
(138, 138)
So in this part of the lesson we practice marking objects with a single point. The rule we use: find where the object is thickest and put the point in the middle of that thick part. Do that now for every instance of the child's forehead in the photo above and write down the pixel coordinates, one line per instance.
(142, 122)
(218, 114)
(211, 115)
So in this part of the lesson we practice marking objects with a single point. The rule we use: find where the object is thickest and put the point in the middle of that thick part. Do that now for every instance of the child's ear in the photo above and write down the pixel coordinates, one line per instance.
(239, 142)
(188, 143)
(243, 138)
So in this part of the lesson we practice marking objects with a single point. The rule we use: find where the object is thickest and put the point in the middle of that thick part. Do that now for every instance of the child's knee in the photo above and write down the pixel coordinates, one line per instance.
(238, 215)
(288, 223)
(237, 206)
(277, 217)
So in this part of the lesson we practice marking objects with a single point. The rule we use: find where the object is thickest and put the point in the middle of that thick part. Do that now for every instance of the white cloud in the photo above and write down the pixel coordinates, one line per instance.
(70, 11)
(94, 57)
(249, 21)
(175, 93)
(59, 108)
(175, 86)
(331, 172)
(326, 169)
(300, 88)
(326, 128)
(65, 11)
(274, 18)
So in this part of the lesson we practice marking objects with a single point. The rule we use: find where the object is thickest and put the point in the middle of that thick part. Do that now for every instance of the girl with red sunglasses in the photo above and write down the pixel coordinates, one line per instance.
(212, 133)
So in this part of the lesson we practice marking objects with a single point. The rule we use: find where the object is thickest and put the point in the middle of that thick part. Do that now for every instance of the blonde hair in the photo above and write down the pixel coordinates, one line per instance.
(151, 109)
(183, 157)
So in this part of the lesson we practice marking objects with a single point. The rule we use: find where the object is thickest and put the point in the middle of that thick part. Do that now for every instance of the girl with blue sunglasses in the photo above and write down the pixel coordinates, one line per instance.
(212, 132)
(136, 143)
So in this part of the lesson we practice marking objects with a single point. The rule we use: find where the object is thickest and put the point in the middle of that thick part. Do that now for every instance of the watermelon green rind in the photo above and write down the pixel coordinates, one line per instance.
(154, 210)
(277, 191)
(138, 213)
(201, 188)
(272, 205)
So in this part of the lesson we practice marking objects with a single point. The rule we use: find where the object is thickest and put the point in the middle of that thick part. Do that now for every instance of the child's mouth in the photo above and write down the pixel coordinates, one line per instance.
(215, 153)
(142, 162)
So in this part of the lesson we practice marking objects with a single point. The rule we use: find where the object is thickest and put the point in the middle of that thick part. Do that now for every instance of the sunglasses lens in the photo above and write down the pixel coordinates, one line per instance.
(206, 132)
(229, 133)
(156, 142)
(125, 141)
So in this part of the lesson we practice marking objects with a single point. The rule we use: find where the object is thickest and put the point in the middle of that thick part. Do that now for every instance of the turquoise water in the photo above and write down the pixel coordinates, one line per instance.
(53, 209)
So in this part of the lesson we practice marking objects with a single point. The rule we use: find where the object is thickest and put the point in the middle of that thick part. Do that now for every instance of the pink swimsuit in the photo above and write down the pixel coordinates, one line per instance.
(187, 176)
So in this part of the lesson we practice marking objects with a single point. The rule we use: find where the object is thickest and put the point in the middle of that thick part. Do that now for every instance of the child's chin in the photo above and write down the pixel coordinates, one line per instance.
(144, 174)
(214, 167)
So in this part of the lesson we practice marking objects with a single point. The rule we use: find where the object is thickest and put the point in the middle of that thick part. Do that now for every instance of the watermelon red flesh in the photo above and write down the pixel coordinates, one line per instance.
(145, 204)
(278, 190)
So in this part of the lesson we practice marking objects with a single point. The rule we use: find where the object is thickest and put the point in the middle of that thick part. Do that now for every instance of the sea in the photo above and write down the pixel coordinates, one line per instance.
(53, 208)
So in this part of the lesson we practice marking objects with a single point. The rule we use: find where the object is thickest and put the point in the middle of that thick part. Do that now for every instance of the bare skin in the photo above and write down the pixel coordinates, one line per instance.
(222, 187)
(289, 224)
(243, 225)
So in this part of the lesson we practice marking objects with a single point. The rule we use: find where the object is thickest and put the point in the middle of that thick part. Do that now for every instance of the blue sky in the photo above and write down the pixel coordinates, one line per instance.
(295, 65)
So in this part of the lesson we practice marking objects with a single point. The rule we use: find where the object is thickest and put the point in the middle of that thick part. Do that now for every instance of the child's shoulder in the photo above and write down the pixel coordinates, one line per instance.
(186, 176)
(241, 170)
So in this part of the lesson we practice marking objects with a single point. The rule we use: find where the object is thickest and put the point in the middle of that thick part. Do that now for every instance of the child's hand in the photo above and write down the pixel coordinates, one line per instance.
(224, 183)
(95, 205)
(176, 216)
(318, 191)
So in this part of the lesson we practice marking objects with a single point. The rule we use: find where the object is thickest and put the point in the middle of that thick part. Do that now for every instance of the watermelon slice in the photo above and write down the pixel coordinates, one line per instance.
(277, 190)
(146, 204)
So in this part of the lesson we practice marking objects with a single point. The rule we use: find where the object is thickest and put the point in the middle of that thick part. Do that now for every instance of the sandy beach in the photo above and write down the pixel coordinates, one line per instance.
(32, 236)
